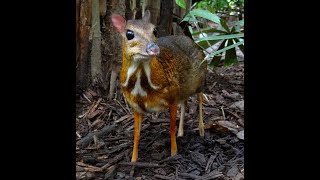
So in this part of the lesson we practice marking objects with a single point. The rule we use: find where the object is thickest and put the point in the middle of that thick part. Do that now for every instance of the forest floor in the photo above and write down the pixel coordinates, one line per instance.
(218, 155)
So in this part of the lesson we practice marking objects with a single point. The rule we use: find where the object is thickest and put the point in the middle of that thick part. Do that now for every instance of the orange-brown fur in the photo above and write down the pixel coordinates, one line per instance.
(176, 73)
(170, 72)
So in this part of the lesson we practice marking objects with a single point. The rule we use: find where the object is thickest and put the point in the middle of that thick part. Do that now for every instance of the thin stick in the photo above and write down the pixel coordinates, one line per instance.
(141, 164)
(114, 160)
(86, 140)
(86, 98)
(224, 117)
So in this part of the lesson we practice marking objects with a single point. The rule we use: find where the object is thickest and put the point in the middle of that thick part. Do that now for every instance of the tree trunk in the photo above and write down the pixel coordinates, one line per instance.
(77, 27)
(84, 23)
(154, 7)
(103, 7)
(132, 5)
(113, 49)
(165, 24)
(96, 71)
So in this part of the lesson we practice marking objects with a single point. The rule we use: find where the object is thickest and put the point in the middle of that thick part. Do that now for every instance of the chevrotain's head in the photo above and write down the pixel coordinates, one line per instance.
(138, 36)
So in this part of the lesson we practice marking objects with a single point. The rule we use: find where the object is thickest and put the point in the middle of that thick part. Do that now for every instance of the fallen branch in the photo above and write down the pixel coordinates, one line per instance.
(114, 160)
(209, 163)
(88, 168)
(189, 175)
(117, 148)
(86, 140)
(110, 171)
(141, 164)
(171, 158)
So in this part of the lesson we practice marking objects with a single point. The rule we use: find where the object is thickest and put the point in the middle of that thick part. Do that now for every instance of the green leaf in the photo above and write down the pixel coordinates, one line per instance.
(211, 9)
(216, 59)
(205, 45)
(240, 46)
(226, 48)
(181, 3)
(238, 25)
(229, 36)
(233, 30)
(231, 56)
(190, 18)
(205, 14)
(224, 25)
(190, 29)
(221, 4)
(209, 31)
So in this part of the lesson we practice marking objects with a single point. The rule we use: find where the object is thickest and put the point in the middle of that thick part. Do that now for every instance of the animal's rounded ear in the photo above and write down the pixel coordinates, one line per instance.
(118, 22)
(146, 16)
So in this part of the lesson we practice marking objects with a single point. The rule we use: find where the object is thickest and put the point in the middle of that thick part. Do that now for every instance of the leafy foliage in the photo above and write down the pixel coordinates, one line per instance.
(210, 28)
(181, 3)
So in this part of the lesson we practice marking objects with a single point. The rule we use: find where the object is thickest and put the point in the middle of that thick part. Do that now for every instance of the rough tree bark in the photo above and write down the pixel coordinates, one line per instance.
(77, 27)
(165, 24)
(154, 7)
(84, 23)
(129, 9)
(96, 71)
(113, 49)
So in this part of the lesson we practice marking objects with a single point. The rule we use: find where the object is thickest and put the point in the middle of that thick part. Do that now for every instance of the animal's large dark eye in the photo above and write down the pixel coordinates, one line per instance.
(130, 34)
(155, 32)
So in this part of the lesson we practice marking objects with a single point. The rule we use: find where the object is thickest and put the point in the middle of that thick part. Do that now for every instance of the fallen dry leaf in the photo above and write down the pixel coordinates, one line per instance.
(219, 99)
(228, 124)
(238, 104)
(240, 134)
(123, 118)
(233, 171)
(95, 113)
(97, 124)
(215, 127)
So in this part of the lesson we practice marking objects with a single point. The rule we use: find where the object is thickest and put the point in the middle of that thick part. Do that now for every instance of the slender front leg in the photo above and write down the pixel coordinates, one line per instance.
(201, 125)
(137, 127)
(183, 110)
(173, 115)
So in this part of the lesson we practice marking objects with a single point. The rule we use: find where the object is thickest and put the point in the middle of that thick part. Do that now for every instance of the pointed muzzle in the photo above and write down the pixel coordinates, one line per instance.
(152, 49)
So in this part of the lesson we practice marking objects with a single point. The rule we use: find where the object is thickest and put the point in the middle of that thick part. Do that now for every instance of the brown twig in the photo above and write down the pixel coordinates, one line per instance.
(235, 115)
(176, 157)
(127, 116)
(122, 107)
(117, 148)
(154, 121)
(88, 167)
(209, 163)
(86, 140)
(141, 164)
(95, 105)
(189, 175)
(115, 160)
(110, 171)
(224, 117)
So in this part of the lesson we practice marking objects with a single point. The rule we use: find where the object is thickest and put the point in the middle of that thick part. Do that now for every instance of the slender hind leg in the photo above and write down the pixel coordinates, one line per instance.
(181, 122)
(201, 125)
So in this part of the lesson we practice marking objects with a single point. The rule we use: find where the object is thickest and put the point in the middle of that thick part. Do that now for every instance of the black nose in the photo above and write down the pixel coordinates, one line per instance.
(152, 49)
